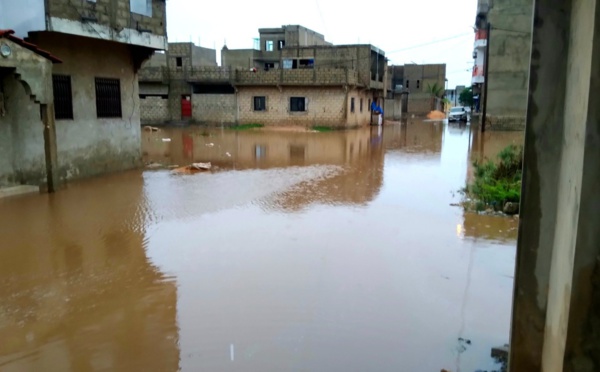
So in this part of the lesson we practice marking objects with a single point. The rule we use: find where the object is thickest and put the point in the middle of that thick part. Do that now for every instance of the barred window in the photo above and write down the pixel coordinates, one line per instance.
(63, 97)
(352, 104)
(297, 104)
(108, 98)
(260, 103)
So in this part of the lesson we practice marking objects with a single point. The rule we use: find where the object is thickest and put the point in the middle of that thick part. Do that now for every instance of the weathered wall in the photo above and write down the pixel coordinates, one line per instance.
(88, 145)
(238, 58)
(508, 70)
(112, 13)
(214, 108)
(326, 106)
(419, 103)
(418, 77)
(361, 115)
(393, 108)
(203, 56)
(21, 137)
(154, 110)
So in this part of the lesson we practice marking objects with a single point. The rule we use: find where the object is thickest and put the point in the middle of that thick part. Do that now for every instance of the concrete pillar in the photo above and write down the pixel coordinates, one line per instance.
(556, 308)
(50, 148)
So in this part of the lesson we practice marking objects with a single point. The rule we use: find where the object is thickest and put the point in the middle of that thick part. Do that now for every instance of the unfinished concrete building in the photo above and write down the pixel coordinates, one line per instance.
(90, 101)
(509, 46)
(421, 87)
(321, 84)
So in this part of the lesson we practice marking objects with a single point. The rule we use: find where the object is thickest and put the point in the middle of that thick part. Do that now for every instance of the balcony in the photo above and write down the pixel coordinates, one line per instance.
(481, 38)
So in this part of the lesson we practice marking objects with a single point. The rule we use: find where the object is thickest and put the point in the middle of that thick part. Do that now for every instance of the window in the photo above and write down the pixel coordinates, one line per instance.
(306, 63)
(280, 44)
(63, 97)
(269, 46)
(418, 84)
(297, 104)
(407, 84)
(179, 61)
(143, 7)
(260, 103)
(369, 108)
(352, 104)
(108, 98)
(269, 66)
(361, 104)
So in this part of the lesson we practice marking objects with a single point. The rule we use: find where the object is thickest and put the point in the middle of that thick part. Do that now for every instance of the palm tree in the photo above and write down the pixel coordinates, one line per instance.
(435, 91)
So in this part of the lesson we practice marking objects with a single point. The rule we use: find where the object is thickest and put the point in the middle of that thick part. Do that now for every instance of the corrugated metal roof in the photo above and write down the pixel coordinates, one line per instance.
(9, 34)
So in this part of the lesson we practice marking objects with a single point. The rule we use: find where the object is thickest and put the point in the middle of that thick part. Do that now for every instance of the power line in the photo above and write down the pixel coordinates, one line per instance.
(431, 43)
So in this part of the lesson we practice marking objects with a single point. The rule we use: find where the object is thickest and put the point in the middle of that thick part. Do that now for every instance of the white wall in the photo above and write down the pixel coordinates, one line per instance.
(22, 16)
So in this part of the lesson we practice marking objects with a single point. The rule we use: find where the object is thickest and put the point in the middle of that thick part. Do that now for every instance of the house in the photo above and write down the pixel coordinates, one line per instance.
(298, 79)
(509, 45)
(89, 102)
(415, 83)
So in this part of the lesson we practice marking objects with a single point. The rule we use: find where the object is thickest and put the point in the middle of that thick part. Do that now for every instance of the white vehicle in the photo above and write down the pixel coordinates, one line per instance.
(458, 113)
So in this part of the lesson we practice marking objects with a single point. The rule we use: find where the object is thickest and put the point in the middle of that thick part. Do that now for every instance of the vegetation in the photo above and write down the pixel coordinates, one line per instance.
(496, 183)
(435, 90)
(466, 97)
(323, 128)
(247, 126)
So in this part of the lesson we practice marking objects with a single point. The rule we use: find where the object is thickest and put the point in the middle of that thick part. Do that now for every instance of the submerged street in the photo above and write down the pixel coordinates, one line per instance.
(337, 251)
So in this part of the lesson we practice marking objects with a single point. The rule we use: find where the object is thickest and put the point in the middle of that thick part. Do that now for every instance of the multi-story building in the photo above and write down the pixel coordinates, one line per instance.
(299, 79)
(421, 86)
(509, 42)
(93, 96)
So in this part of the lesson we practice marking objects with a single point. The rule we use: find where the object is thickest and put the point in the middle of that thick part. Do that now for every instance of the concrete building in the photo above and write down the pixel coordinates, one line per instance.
(272, 41)
(415, 84)
(509, 45)
(321, 84)
(91, 99)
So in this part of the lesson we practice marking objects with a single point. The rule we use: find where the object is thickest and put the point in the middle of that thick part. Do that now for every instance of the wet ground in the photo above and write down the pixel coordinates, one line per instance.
(297, 252)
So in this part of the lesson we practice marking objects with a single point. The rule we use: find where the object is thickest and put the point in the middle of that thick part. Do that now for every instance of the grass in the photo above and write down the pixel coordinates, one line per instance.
(497, 182)
(247, 126)
(323, 128)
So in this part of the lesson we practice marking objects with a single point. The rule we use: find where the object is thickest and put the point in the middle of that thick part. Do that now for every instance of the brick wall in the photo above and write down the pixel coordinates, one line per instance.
(154, 110)
(112, 13)
(214, 108)
(419, 103)
(326, 106)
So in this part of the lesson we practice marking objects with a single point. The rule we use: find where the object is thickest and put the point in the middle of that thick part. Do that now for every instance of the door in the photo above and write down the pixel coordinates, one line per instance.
(186, 107)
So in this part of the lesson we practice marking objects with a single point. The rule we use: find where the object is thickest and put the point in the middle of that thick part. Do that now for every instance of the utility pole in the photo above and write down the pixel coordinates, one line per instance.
(486, 64)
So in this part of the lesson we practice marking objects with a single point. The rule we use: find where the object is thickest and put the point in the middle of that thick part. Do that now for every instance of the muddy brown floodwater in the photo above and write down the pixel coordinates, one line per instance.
(297, 252)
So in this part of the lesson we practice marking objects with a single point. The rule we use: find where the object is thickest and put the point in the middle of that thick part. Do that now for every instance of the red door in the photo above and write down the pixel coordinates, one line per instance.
(186, 107)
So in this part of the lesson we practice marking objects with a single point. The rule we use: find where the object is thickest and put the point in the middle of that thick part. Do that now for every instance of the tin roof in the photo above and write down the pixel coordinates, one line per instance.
(9, 34)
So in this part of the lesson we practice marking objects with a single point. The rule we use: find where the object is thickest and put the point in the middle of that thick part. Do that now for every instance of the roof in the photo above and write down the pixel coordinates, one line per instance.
(9, 34)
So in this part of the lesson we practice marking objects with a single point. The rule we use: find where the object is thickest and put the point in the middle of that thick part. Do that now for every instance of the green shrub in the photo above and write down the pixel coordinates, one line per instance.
(498, 182)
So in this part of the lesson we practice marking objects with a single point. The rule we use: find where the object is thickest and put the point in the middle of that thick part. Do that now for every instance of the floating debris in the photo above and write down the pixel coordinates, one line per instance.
(193, 168)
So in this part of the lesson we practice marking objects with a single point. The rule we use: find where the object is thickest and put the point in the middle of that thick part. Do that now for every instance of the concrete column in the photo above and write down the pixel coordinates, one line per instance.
(556, 309)
(50, 148)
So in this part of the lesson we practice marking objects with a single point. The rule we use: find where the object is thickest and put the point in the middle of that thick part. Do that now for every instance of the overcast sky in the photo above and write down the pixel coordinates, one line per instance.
(396, 26)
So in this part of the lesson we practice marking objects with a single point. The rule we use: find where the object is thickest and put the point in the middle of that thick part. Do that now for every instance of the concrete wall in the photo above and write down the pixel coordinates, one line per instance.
(419, 103)
(203, 56)
(111, 13)
(508, 70)
(214, 108)
(154, 110)
(238, 58)
(88, 145)
(21, 137)
(393, 108)
(326, 106)
(418, 77)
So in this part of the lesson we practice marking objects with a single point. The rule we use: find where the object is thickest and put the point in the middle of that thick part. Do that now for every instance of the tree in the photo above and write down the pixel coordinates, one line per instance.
(466, 97)
(436, 92)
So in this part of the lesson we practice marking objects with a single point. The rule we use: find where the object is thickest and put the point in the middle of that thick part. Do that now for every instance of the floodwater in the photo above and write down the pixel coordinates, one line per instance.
(298, 252)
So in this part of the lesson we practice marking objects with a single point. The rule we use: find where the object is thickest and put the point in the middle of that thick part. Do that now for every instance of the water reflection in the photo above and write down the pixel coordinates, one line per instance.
(301, 251)
(78, 293)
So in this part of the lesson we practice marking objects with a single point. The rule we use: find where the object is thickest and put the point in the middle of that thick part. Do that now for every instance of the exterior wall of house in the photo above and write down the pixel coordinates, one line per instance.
(238, 58)
(214, 108)
(325, 106)
(88, 145)
(21, 137)
(154, 110)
